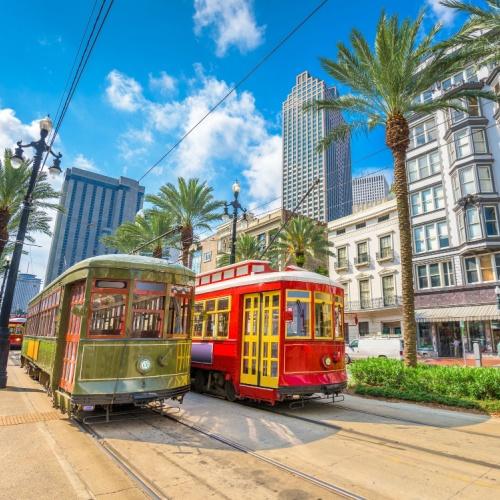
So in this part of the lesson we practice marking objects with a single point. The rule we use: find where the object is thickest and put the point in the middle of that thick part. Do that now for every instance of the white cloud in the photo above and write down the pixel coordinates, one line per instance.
(13, 130)
(84, 163)
(234, 136)
(230, 22)
(124, 93)
(444, 15)
(164, 83)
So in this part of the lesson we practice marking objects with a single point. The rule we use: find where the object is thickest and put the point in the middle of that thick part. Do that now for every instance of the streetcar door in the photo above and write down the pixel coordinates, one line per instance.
(72, 336)
(250, 339)
(269, 339)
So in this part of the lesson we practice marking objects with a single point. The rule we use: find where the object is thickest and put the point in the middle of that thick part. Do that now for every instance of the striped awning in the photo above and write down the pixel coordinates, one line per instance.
(465, 313)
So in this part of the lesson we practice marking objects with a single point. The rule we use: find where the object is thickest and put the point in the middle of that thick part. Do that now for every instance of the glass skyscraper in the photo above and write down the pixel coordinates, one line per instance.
(27, 286)
(94, 206)
(303, 162)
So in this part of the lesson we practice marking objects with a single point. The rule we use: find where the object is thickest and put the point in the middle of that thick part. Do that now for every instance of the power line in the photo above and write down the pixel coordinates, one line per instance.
(237, 85)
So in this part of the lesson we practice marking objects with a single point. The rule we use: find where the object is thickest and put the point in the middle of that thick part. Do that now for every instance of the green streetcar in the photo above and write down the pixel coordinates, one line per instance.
(113, 329)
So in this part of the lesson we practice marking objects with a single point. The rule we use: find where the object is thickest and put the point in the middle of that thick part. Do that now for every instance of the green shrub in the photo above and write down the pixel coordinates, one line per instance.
(444, 381)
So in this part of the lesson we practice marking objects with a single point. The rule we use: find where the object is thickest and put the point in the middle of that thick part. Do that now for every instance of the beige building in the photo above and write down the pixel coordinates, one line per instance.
(262, 226)
(367, 265)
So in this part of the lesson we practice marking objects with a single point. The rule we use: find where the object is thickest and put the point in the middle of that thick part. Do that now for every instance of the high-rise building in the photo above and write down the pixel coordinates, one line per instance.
(27, 286)
(303, 162)
(369, 188)
(94, 206)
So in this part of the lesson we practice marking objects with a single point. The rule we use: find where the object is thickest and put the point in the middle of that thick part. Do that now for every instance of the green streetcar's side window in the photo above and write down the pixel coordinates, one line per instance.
(148, 305)
(179, 311)
(107, 314)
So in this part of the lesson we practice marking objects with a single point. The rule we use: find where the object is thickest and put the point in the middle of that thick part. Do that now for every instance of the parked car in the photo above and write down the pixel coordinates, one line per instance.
(374, 347)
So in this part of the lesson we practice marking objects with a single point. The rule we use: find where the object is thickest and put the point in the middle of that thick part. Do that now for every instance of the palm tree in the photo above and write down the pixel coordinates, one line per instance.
(386, 82)
(193, 208)
(247, 248)
(485, 22)
(13, 186)
(145, 227)
(303, 239)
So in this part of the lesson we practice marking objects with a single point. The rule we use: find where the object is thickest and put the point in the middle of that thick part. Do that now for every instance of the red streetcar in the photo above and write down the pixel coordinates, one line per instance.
(267, 335)
(16, 331)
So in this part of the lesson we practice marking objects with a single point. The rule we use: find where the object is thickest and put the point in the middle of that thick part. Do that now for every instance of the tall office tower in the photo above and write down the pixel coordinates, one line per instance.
(303, 162)
(369, 188)
(94, 206)
(27, 286)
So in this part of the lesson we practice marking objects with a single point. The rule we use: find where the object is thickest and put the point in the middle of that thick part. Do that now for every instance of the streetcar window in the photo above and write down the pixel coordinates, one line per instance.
(240, 271)
(338, 316)
(148, 286)
(147, 319)
(229, 273)
(258, 268)
(199, 312)
(107, 314)
(205, 280)
(110, 284)
(323, 315)
(179, 311)
(216, 277)
(298, 302)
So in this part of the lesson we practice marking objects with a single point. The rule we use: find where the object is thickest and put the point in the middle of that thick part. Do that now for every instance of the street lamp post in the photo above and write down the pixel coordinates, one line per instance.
(236, 206)
(40, 147)
(5, 272)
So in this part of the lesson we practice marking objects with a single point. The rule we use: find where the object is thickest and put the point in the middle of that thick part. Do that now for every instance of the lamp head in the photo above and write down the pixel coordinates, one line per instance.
(46, 124)
(236, 187)
(17, 159)
(55, 168)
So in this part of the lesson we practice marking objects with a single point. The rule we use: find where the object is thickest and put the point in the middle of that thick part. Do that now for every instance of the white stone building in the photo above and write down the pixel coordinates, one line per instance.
(366, 263)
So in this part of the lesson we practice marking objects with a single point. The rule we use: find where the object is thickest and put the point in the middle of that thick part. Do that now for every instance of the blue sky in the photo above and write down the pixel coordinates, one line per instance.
(156, 68)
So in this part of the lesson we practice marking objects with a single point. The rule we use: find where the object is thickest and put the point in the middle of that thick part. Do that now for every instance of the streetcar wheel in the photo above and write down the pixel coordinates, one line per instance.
(199, 382)
(230, 392)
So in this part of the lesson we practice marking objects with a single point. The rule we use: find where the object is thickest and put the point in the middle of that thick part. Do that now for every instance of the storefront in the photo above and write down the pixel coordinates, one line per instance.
(447, 331)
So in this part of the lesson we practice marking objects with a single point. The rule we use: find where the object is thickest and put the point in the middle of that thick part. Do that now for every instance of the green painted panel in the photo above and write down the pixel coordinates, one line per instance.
(46, 352)
(107, 361)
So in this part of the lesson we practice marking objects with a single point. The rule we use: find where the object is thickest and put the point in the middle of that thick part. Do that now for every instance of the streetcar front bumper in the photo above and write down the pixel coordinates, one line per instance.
(304, 390)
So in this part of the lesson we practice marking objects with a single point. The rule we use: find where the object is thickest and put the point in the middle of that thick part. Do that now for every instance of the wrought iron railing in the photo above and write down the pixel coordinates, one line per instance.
(385, 254)
(362, 260)
(375, 303)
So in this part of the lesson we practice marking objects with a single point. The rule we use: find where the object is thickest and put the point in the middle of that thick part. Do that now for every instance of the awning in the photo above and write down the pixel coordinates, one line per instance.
(465, 313)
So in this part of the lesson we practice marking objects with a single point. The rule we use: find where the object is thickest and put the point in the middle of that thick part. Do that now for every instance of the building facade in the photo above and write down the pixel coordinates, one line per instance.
(27, 286)
(303, 163)
(453, 165)
(366, 263)
(94, 206)
(368, 189)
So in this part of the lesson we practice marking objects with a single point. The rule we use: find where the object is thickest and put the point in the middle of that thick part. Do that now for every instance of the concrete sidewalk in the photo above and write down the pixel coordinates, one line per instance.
(45, 456)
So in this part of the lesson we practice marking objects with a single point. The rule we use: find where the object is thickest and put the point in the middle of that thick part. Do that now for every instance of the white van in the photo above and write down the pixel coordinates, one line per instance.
(374, 347)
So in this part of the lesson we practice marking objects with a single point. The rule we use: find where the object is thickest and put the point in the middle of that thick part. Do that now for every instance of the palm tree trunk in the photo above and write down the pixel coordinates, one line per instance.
(186, 242)
(397, 138)
(4, 233)
(158, 252)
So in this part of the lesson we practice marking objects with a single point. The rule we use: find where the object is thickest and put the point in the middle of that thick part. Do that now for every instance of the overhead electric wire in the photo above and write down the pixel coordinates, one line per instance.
(84, 58)
(236, 86)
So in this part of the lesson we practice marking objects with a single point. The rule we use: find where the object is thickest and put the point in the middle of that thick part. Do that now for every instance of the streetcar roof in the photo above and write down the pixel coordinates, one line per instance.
(122, 261)
(269, 277)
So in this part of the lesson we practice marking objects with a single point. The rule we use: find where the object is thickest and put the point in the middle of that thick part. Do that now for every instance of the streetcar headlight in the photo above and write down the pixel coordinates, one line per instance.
(144, 365)
(327, 361)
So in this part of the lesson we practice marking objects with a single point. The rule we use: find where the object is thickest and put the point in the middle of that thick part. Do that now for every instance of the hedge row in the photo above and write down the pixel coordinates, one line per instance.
(457, 382)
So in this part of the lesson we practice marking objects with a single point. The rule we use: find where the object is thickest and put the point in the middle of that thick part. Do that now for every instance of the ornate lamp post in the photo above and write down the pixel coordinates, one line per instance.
(40, 147)
(236, 206)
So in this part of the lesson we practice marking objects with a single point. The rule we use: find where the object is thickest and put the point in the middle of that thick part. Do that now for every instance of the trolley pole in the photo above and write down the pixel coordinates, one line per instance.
(17, 160)
(236, 206)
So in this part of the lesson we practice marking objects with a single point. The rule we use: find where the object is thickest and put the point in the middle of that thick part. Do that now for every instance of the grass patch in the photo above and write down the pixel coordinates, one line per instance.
(464, 387)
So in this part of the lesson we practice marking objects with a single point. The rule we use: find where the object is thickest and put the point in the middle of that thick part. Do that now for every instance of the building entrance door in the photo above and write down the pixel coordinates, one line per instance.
(447, 333)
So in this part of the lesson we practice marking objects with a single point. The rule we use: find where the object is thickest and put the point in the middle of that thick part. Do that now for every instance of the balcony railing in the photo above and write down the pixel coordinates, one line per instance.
(376, 303)
(362, 260)
(341, 265)
(385, 254)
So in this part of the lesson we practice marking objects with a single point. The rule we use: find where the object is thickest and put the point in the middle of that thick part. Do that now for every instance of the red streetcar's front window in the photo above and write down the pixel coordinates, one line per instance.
(323, 316)
(298, 304)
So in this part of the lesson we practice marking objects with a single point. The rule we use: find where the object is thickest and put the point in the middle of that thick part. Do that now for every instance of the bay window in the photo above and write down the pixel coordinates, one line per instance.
(485, 179)
(467, 181)
(471, 180)
(490, 220)
(479, 141)
(482, 268)
(462, 144)
(467, 141)
(472, 223)
(468, 75)
(470, 104)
